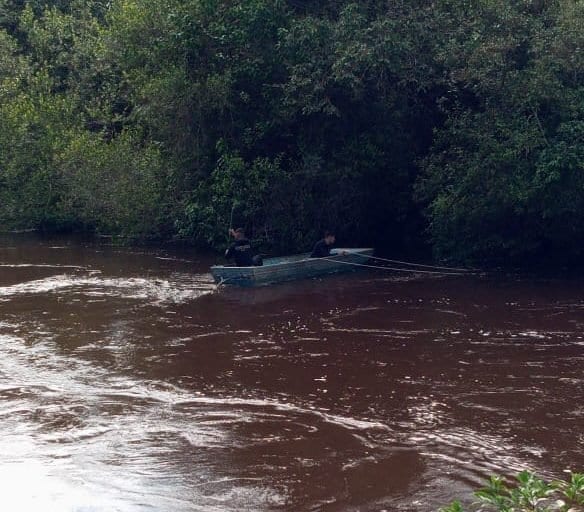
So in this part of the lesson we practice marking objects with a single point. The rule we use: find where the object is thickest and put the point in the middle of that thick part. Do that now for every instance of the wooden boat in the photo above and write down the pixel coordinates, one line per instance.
(289, 268)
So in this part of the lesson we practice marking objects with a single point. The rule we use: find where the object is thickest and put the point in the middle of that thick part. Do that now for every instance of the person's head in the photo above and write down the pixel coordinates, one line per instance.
(329, 237)
(239, 234)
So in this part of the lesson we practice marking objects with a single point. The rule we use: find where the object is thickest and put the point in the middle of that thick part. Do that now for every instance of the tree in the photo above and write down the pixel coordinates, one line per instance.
(504, 175)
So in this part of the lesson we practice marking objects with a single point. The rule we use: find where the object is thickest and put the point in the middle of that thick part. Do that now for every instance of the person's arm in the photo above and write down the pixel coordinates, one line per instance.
(321, 250)
(314, 253)
(230, 252)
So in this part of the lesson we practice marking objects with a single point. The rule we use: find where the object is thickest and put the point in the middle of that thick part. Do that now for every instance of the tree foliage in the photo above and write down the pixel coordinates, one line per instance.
(456, 122)
(504, 176)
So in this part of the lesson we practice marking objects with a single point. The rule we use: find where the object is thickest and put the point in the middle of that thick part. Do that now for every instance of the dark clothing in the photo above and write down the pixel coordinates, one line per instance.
(241, 252)
(321, 249)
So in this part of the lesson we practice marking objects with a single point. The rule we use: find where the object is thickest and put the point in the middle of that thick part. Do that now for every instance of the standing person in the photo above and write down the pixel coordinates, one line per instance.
(322, 248)
(240, 250)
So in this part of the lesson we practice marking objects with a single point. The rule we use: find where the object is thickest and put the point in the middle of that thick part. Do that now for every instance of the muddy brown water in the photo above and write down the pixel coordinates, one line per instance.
(129, 383)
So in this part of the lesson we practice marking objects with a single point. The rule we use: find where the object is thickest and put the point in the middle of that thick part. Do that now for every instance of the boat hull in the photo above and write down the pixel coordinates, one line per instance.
(277, 270)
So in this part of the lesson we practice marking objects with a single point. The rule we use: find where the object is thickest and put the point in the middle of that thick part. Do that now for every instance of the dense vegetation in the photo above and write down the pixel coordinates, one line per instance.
(457, 122)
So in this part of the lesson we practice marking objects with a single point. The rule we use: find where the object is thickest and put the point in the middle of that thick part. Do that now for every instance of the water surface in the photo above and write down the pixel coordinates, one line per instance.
(128, 382)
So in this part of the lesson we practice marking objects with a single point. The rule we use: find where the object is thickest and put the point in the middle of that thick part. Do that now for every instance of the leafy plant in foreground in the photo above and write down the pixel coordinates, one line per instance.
(530, 494)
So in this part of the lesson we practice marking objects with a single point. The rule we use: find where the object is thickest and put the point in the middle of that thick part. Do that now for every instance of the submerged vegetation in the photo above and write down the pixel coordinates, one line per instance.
(456, 123)
(530, 494)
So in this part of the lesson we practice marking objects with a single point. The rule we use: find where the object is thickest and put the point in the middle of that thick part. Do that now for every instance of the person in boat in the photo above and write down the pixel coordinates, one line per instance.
(240, 250)
(322, 248)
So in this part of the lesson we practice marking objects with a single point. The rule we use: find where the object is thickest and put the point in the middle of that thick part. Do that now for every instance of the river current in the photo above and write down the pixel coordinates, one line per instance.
(129, 383)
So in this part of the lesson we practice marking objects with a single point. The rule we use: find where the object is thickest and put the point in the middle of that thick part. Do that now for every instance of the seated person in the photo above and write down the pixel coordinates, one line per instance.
(240, 250)
(322, 248)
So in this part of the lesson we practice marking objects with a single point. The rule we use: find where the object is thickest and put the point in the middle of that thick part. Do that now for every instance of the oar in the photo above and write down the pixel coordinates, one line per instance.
(231, 221)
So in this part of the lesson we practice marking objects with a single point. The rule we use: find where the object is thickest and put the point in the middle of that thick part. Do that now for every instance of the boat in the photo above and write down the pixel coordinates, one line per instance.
(289, 268)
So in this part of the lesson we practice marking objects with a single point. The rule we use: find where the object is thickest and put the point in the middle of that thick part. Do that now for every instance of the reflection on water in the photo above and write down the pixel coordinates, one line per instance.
(129, 383)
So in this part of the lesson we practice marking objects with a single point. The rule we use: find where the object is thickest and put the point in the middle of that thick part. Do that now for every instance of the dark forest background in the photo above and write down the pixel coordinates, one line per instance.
(453, 125)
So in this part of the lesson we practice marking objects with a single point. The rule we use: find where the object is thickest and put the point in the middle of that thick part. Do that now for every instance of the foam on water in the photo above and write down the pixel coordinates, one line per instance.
(179, 288)
(84, 422)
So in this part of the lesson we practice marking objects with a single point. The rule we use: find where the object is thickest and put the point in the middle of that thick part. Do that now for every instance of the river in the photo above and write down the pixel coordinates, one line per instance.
(129, 383)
